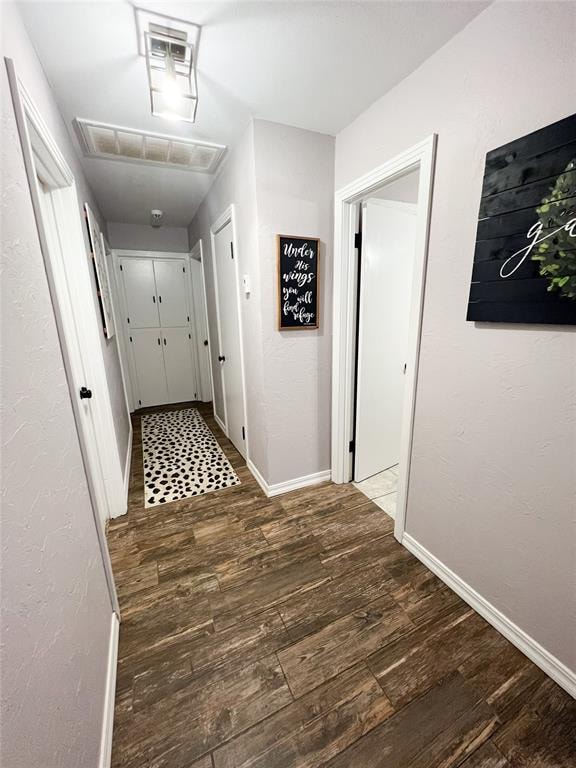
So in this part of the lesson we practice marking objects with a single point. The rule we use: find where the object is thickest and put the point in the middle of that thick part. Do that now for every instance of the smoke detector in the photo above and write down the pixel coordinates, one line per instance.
(156, 216)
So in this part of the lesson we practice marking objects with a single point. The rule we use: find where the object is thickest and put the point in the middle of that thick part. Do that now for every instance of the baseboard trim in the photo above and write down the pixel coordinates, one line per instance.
(548, 663)
(109, 697)
(128, 464)
(289, 485)
(220, 423)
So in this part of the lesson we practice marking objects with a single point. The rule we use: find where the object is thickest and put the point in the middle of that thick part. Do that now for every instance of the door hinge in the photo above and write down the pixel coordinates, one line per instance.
(232, 250)
(358, 240)
(243, 434)
(351, 446)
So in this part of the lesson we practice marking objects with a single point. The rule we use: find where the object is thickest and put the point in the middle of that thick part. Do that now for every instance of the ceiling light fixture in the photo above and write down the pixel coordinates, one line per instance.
(171, 49)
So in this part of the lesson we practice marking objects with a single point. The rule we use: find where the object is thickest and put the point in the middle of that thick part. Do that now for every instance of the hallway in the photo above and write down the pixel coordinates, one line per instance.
(297, 632)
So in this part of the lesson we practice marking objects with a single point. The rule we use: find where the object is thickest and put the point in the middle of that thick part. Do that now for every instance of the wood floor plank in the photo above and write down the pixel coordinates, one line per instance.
(208, 669)
(267, 591)
(310, 611)
(318, 657)
(310, 731)
(487, 756)
(175, 731)
(439, 729)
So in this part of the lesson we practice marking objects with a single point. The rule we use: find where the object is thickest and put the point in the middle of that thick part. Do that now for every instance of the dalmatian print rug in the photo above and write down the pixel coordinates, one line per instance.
(181, 458)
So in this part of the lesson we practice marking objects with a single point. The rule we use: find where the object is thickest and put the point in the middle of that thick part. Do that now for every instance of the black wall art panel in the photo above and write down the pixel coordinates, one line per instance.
(525, 258)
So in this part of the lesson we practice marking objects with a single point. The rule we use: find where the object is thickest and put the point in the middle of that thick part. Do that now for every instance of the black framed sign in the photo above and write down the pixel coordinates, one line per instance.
(298, 259)
(525, 257)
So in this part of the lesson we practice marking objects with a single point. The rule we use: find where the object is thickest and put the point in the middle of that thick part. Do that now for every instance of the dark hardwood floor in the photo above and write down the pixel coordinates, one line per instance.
(296, 632)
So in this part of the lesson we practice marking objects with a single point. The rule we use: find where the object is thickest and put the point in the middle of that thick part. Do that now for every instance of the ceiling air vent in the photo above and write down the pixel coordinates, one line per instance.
(115, 143)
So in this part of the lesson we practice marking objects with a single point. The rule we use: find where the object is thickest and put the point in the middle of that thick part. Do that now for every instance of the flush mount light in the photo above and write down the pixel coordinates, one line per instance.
(171, 48)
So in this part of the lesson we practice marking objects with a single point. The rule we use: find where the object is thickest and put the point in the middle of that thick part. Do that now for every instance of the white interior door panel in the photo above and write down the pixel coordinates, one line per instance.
(386, 270)
(179, 365)
(171, 289)
(140, 292)
(147, 347)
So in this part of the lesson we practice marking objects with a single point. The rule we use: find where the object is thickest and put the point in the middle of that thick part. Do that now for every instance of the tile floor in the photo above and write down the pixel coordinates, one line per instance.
(381, 489)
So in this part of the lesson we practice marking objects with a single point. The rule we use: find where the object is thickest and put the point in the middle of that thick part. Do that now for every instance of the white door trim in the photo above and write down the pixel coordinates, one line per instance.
(70, 290)
(344, 320)
(197, 253)
(229, 215)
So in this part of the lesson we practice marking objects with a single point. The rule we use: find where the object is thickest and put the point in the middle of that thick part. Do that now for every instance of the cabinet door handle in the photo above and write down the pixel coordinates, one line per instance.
(164, 342)
(160, 299)
(154, 299)
(158, 342)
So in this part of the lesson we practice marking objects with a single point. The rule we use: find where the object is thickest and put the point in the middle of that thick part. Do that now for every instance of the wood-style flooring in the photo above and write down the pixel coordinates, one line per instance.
(296, 632)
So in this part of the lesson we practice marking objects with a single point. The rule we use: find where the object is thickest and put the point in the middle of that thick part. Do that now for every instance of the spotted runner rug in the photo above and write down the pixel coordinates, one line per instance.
(182, 458)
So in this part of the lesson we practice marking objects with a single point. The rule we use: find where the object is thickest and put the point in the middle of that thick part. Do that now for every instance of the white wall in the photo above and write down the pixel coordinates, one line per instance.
(493, 483)
(281, 181)
(55, 607)
(143, 237)
(294, 196)
(235, 183)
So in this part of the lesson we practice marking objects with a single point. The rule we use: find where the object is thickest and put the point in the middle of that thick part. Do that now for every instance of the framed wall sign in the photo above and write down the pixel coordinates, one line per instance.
(525, 257)
(298, 261)
(100, 272)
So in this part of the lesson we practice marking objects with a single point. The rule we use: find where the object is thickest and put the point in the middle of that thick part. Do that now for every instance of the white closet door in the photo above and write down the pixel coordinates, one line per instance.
(180, 373)
(203, 350)
(149, 363)
(387, 265)
(140, 292)
(230, 361)
(171, 289)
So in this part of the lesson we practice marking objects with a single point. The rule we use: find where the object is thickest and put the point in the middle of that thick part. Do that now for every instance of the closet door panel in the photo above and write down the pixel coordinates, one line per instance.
(171, 289)
(147, 349)
(140, 292)
(178, 361)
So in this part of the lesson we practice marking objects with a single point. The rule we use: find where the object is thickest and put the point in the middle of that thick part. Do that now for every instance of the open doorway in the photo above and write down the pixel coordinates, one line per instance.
(381, 237)
(386, 254)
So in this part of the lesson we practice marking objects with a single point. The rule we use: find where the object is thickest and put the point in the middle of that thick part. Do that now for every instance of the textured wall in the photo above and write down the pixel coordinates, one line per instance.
(281, 180)
(55, 608)
(493, 483)
(236, 184)
(143, 237)
(294, 196)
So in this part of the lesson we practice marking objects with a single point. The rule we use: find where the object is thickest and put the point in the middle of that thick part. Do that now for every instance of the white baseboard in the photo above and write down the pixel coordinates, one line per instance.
(109, 697)
(220, 423)
(128, 464)
(548, 663)
(289, 485)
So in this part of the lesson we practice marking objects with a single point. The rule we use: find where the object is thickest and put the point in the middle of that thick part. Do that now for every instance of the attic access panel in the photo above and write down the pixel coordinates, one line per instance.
(524, 267)
(113, 142)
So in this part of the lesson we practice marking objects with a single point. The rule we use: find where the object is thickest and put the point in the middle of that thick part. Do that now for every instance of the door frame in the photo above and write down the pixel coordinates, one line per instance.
(119, 298)
(70, 289)
(197, 253)
(226, 217)
(422, 157)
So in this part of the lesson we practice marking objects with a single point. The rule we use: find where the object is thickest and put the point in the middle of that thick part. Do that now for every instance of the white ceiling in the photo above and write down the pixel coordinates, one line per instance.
(315, 65)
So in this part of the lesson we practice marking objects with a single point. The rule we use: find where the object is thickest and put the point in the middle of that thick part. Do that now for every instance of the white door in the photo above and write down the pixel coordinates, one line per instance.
(149, 364)
(179, 365)
(171, 287)
(230, 354)
(200, 326)
(140, 292)
(386, 270)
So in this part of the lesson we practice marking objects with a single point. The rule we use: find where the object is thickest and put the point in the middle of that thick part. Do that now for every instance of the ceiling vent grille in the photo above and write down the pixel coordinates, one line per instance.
(115, 143)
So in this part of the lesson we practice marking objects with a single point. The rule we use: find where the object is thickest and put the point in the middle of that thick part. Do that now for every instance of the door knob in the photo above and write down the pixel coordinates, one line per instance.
(221, 358)
(85, 393)
(205, 342)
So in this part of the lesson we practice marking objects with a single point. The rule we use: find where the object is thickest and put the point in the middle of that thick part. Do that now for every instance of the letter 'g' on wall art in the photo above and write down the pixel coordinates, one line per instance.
(525, 257)
(298, 259)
